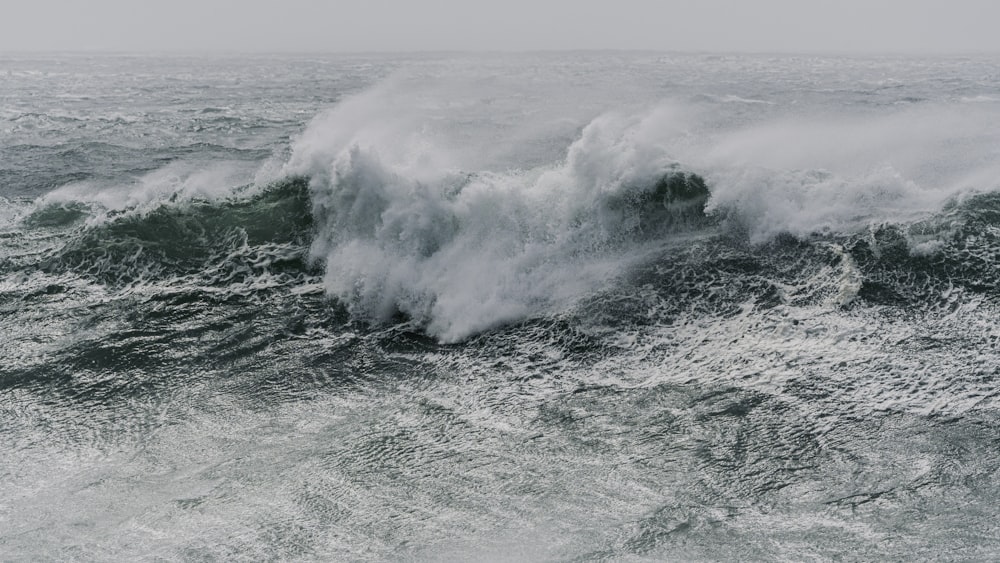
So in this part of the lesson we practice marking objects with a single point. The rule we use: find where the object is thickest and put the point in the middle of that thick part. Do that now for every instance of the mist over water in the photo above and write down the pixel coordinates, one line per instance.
(527, 307)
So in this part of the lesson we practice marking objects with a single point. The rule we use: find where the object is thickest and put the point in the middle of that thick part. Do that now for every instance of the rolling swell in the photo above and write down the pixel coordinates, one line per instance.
(161, 294)
(238, 237)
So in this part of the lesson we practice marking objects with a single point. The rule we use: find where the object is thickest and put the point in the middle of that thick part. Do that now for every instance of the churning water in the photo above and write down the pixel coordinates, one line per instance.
(581, 306)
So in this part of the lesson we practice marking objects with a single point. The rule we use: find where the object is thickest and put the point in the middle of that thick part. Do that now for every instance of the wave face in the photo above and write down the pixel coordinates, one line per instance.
(542, 307)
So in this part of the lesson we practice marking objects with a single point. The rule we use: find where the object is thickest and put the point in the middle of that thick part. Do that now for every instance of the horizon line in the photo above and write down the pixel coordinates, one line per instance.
(397, 52)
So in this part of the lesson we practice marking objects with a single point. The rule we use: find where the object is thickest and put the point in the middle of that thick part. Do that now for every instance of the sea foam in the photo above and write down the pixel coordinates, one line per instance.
(407, 226)
(400, 231)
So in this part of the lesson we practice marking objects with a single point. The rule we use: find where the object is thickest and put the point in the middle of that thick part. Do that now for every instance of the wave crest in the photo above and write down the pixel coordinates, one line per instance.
(461, 252)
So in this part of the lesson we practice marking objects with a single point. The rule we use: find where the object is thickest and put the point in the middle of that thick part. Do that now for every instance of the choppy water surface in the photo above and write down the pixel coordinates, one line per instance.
(579, 306)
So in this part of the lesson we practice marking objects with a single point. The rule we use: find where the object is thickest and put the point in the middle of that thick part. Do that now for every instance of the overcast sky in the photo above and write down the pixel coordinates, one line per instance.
(926, 26)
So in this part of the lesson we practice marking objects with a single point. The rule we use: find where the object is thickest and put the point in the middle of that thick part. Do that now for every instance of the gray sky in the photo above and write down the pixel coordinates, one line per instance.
(403, 25)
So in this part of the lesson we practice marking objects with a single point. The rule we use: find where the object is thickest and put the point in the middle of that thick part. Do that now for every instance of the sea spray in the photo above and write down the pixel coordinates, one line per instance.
(462, 251)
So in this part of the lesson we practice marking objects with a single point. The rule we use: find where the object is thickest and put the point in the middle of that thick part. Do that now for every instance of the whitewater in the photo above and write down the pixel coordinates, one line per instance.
(541, 306)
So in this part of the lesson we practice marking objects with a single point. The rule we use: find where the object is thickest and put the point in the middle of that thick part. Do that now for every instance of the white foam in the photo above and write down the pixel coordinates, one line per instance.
(177, 181)
(402, 230)
(404, 227)
(840, 173)
(10, 212)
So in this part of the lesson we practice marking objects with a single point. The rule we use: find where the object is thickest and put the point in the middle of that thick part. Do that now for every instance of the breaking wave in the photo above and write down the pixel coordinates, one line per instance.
(384, 215)
(404, 228)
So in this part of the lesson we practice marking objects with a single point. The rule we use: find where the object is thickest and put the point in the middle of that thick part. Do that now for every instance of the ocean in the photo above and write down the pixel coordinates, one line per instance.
(594, 306)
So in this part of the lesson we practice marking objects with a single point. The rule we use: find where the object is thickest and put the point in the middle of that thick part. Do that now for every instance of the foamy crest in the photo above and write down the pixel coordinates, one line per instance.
(10, 212)
(177, 181)
(461, 252)
(403, 229)
(802, 202)
(841, 173)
